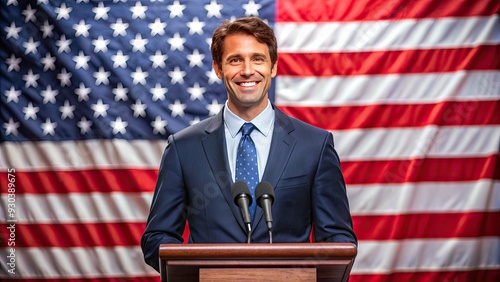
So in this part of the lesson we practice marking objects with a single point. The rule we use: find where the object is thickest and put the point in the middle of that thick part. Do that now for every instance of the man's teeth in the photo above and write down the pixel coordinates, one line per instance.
(248, 84)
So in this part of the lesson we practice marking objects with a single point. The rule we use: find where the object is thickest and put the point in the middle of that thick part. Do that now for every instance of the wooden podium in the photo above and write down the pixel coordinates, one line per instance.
(256, 262)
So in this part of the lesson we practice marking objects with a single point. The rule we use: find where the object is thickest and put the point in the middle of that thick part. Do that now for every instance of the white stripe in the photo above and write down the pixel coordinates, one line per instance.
(80, 207)
(410, 143)
(405, 198)
(96, 262)
(369, 199)
(387, 35)
(427, 255)
(356, 144)
(388, 89)
(77, 155)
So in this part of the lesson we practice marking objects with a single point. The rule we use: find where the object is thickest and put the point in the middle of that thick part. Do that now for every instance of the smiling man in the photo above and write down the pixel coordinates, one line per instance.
(250, 141)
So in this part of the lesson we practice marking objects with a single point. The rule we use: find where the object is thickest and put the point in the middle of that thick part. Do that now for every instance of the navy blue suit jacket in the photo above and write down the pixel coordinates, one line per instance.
(194, 183)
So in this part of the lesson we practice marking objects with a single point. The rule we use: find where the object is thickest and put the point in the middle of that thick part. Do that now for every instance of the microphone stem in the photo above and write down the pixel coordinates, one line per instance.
(270, 236)
(249, 233)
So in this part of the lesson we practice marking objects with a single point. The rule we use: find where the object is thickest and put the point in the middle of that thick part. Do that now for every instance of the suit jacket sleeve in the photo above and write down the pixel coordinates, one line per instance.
(330, 206)
(166, 220)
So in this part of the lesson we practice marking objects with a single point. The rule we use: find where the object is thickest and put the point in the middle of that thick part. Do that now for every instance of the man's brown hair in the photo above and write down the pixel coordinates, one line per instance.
(248, 25)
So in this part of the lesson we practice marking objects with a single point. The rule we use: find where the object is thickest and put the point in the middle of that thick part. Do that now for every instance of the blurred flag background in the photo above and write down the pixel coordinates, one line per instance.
(90, 91)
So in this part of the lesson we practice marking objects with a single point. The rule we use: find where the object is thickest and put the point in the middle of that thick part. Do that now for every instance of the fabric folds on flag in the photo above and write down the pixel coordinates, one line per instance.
(90, 91)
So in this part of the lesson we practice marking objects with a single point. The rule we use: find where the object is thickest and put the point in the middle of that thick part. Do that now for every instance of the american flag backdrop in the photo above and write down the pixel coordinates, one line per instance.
(90, 90)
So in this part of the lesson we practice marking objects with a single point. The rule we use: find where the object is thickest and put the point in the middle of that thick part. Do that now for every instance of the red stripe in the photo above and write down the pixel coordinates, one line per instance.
(427, 226)
(83, 181)
(484, 275)
(484, 57)
(78, 234)
(103, 279)
(449, 113)
(341, 10)
(367, 227)
(421, 170)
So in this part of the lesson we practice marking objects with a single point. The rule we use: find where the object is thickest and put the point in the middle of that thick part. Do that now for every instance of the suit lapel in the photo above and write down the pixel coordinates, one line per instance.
(214, 145)
(282, 146)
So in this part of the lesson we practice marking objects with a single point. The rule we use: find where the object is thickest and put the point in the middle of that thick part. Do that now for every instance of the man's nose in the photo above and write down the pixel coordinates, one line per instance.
(247, 69)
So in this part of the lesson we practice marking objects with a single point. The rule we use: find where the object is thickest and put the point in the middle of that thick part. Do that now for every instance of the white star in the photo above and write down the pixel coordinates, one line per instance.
(138, 11)
(196, 91)
(119, 28)
(67, 110)
(81, 61)
(65, 77)
(138, 43)
(158, 27)
(252, 9)
(119, 60)
(159, 125)
(177, 76)
(214, 108)
(29, 14)
(120, 92)
(13, 63)
(84, 125)
(158, 59)
(12, 94)
(31, 79)
(63, 12)
(195, 120)
(82, 92)
(31, 46)
(49, 62)
(13, 31)
(177, 108)
(101, 12)
(213, 10)
(11, 127)
(47, 28)
(101, 76)
(176, 9)
(196, 59)
(30, 111)
(100, 109)
(12, 2)
(100, 44)
(81, 29)
(196, 26)
(48, 127)
(119, 126)
(49, 95)
(139, 76)
(158, 92)
(176, 42)
(80, 1)
(63, 44)
(40, 2)
(212, 77)
(139, 108)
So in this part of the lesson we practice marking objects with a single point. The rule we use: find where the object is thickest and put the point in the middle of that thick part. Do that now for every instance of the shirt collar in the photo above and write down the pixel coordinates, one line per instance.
(263, 122)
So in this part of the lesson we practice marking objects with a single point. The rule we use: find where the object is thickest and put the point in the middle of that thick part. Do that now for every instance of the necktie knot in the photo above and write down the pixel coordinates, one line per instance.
(247, 128)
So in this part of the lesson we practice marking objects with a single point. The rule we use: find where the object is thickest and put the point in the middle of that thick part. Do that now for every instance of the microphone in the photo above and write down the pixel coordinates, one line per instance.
(264, 194)
(243, 199)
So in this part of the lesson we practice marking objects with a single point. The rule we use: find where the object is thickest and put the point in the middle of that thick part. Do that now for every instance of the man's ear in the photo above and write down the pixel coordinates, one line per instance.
(274, 69)
(217, 70)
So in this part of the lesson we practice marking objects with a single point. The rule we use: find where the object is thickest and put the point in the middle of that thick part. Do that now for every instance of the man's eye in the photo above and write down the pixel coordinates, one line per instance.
(234, 60)
(259, 59)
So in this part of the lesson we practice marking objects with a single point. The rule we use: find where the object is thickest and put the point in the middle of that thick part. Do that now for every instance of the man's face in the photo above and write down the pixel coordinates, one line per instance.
(247, 72)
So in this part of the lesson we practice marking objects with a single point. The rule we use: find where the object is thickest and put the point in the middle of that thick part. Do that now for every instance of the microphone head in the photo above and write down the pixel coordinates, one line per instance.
(240, 189)
(264, 189)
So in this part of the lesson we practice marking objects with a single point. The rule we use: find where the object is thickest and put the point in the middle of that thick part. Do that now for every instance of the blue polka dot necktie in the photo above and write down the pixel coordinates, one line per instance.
(246, 162)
